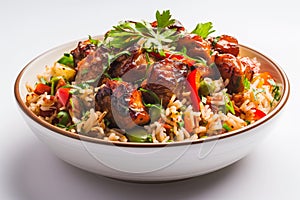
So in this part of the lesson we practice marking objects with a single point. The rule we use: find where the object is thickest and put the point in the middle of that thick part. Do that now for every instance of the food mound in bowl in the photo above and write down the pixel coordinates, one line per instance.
(154, 82)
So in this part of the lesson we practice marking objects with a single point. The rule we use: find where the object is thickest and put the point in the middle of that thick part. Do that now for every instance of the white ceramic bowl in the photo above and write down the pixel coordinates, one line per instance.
(148, 162)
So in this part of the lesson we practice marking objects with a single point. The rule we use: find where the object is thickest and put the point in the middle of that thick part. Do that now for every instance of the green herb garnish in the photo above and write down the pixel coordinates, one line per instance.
(180, 124)
(228, 104)
(123, 35)
(226, 127)
(152, 94)
(152, 39)
(54, 80)
(67, 60)
(164, 19)
(257, 91)
(183, 52)
(203, 29)
(42, 79)
(94, 41)
(275, 91)
(246, 83)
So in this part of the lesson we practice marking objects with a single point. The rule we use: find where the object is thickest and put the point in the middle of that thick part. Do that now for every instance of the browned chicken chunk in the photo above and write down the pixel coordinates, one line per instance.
(225, 44)
(82, 50)
(165, 78)
(123, 104)
(90, 69)
(129, 67)
(234, 71)
(196, 47)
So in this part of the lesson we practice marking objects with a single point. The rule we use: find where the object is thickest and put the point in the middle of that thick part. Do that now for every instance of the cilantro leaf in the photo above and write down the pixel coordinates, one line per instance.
(203, 29)
(164, 19)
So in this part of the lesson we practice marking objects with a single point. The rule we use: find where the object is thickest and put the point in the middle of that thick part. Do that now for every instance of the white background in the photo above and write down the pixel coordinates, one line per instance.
(29, 171)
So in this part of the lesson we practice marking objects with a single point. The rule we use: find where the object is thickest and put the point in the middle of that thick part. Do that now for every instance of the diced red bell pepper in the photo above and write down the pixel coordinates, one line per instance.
(258, 114)
(63, 95)
(194, 80)
(41, 88)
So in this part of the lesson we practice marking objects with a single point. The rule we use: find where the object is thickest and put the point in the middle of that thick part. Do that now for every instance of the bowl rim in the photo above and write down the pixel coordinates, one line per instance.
(283, 100)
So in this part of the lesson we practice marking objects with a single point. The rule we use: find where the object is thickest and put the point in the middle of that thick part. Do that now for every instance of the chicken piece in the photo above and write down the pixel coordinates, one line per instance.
(82, 50)
(165, 78)
(196, 47)
(90, 69)
(225, 44)
(231, 68)
(129, 67)
(123, 104)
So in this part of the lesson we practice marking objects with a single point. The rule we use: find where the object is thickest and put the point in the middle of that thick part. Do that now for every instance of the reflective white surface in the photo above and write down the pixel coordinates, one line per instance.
(29, 170)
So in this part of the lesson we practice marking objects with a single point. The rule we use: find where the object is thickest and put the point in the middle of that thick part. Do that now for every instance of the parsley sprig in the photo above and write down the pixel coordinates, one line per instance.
(164, 19)
(203, 29)
(152, 39)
